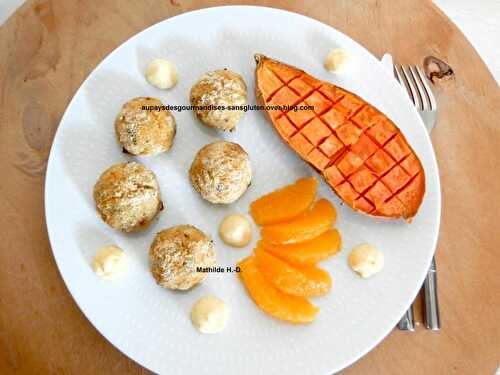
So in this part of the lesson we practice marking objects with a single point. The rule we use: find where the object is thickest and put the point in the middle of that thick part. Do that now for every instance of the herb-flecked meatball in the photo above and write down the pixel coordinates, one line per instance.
(143, 131)
(219, 88)
(176, 253)
(221, 172)
(127, 196)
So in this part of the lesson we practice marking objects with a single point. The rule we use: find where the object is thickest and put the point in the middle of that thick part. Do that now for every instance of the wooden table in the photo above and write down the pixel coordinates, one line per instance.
(47, 48)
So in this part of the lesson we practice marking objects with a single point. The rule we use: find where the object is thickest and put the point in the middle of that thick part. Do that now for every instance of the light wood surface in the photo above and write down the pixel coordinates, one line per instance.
(47, 48)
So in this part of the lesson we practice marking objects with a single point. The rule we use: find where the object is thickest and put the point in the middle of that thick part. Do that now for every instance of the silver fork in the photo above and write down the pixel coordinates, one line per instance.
(413, 79)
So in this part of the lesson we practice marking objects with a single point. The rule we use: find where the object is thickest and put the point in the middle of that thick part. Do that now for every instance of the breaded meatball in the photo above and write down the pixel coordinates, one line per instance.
(142, 131)
(219, 88)
(127, 196)
(221, 172)
(176, 253)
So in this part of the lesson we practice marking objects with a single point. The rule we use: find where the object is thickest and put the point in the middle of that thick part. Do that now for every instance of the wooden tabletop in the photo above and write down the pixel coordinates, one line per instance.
(47, 48)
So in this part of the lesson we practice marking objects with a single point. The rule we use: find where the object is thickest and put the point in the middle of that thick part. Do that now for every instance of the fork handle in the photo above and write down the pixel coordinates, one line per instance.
(432, 320)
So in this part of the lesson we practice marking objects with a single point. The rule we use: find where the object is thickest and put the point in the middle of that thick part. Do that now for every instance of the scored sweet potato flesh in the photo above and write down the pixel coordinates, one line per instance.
(361, 154)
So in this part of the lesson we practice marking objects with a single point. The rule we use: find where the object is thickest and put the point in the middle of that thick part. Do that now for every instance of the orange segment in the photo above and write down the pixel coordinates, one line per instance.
(284, 204)
(301, 282)
(307, 253)
(306, 226)
(274, 302)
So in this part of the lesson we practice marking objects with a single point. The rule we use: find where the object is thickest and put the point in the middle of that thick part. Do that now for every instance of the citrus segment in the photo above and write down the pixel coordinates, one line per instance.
(306, 226)
(307, 253)
(301, 282)
(284, 204)
(274, 302)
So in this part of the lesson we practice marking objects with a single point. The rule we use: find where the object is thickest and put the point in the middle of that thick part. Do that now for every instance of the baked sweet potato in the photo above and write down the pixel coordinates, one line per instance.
(360, 152)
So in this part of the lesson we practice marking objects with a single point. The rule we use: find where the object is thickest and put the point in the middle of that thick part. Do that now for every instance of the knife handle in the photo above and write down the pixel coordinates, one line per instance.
(432, 320)
(407, 323)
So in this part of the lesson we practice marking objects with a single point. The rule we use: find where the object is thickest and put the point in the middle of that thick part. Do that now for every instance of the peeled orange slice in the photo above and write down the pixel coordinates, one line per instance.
(284, 204)
(306, 226)
(307, 253)
(301, 282)
(274, 302)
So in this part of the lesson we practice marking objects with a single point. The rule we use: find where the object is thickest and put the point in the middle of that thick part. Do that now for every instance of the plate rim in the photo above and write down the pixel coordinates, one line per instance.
(50, 162)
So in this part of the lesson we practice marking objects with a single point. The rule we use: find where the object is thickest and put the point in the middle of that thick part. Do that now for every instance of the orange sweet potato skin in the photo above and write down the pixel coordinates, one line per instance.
(360, 152)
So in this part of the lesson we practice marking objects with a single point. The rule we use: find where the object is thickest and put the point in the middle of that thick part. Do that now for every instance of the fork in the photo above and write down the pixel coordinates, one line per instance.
(413, 79)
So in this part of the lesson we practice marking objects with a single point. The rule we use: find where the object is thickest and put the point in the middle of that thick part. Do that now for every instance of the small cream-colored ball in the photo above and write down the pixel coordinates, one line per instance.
(337, 60)
(366, 260)
(161, 74)
(209, 315)
(109, 262)
(235, 230)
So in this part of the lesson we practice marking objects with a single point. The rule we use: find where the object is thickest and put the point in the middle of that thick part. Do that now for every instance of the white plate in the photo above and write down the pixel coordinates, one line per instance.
(150, 324)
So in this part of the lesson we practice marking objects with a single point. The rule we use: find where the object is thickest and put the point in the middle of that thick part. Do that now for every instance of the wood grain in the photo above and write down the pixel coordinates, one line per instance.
(47, 48)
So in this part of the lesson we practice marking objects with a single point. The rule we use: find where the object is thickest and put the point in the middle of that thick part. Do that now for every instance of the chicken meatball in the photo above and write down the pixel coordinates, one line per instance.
(176, 253)
(127, 196)
(144, 131)
(221, 172)
(219, 88)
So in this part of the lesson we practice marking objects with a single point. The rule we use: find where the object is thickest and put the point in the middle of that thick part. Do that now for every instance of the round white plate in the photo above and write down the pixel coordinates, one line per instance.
(150, 324)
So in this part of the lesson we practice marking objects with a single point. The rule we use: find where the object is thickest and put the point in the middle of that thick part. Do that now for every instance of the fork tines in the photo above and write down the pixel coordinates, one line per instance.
(413, 78)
